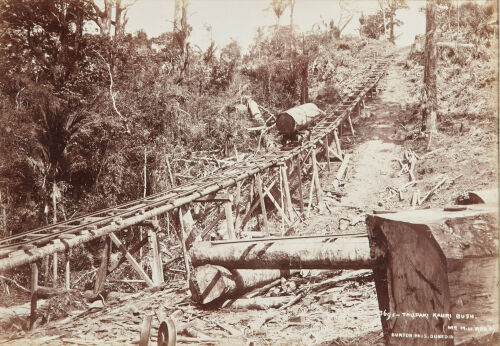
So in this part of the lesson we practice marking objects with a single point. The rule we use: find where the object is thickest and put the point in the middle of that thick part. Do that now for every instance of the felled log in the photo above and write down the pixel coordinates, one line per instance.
(210, 283)
(342, 252)
(259, 303)
(254, 110)
(479, 197)
(296, 118)
(441, 265)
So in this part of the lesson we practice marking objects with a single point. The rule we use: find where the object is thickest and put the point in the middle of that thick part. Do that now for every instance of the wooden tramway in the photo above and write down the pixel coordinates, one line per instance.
(30, 246)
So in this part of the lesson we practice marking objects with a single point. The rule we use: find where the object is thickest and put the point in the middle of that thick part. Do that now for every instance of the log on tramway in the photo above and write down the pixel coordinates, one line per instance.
(297, 118)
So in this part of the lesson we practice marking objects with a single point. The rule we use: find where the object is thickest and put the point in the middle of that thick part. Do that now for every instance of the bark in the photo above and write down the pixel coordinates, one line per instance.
(297, 118)
(293, 253)
(436, 262)
(479, 197)
(430, 91)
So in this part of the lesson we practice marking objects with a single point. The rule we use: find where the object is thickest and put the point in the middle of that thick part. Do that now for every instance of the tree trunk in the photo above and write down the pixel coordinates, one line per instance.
(304, 88)
(430, 91)
(442, 265)
(292, 253)
(210, 283)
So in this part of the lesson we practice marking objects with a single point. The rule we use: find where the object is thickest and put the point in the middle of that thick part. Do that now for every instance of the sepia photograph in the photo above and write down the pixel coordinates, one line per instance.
(249, 172)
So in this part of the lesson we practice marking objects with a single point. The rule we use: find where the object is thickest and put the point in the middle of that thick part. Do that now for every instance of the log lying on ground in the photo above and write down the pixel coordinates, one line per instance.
(210, 283)
(479, 197)
(440, 264)
(253, 108)
(343, 252)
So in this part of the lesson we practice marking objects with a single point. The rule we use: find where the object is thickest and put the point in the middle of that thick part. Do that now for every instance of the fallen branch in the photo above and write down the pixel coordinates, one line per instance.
(433, 190)
(24, 289)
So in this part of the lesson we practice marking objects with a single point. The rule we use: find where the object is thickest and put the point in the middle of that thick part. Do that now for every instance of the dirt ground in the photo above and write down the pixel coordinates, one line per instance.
(342, 314)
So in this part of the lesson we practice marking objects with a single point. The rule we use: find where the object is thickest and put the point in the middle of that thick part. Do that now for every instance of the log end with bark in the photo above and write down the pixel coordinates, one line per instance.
(440, 264)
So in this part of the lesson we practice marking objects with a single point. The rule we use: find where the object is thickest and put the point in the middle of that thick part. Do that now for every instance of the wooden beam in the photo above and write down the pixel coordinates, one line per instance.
(278, 208)
(350, 125)
(203, 233)
(261, 201)
(34, 293)
(67, 273)
(341, 172)
(132, 251)
(327, 153)
(237, 201)
(103, 268)
(337, 143)
(228, 210)
(183, 246)
(131, 260)
(286, 189)
(317, 182)
(155, 259)
(254, 205)
(299, 176)
(216, 197)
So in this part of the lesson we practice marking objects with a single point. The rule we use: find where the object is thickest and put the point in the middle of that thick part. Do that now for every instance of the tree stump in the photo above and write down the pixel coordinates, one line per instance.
(436, 274)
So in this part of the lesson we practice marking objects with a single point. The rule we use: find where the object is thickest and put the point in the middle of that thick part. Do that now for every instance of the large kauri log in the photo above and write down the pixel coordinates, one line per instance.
(297, 118)
(210, 283)
(436, 274)
(296, 253)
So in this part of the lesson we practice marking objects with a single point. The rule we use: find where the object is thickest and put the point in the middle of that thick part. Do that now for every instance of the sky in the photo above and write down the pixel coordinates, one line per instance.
(239, 19)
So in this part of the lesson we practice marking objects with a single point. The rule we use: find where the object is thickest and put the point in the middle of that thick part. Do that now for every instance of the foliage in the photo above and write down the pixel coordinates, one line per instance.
(372, 26)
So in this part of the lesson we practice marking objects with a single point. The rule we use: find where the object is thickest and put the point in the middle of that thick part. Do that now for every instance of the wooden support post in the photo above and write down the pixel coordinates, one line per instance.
(183, 247)
(337, 143)
(278, 208)
(317, 183)
(46, 269)
(228, 210)
(131, 260)
(286, 189)
(141, 236)
(254, 205)
(67, 273)
(156, 264)
(327, 153)
(34, 293)
(34, 277)
(341, 172)
(103, 269)
(350, 125)
(54, 269)
(132, 251)
(237, 200)
(258, 182)
(299, 171)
